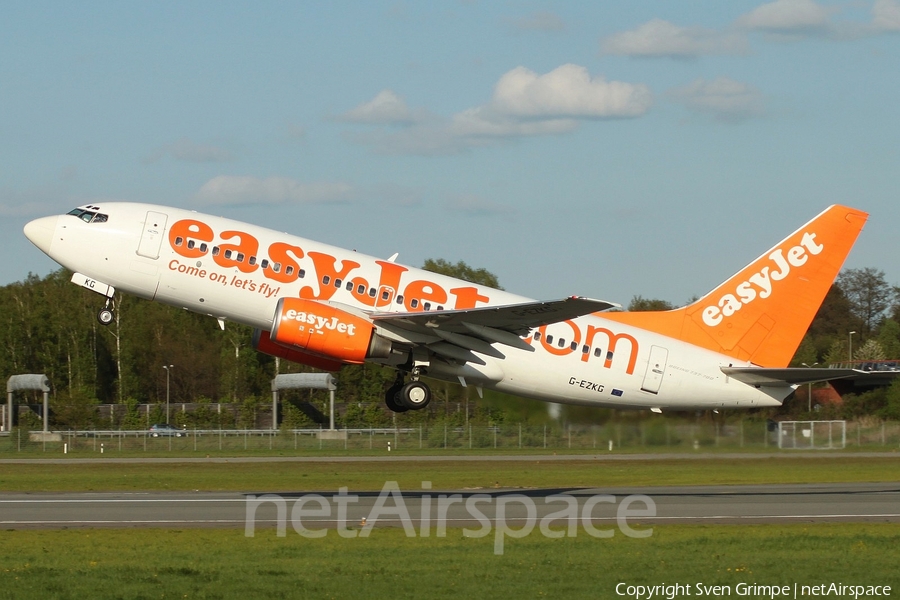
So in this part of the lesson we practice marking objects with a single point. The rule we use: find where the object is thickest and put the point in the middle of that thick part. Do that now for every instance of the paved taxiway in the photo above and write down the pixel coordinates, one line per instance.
(869, 502)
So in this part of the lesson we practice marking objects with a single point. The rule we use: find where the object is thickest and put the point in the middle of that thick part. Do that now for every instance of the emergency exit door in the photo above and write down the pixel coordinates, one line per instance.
(656, 369)
(152, 236)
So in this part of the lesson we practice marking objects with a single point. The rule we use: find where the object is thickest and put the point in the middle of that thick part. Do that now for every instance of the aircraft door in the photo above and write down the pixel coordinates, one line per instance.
(385, 298)
(152, 235)
(656, 368)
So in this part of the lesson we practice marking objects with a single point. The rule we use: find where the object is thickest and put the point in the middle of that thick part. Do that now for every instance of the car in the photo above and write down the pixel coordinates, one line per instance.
(165, 430)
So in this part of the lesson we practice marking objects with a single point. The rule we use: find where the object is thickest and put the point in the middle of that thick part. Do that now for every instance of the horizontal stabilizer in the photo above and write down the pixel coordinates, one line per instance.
(757, 376)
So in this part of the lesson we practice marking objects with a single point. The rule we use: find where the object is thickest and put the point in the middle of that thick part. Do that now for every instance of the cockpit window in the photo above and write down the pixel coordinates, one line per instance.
(88, 216)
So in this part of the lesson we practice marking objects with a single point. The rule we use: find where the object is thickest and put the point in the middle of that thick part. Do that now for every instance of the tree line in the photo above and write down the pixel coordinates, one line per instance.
(51, 327)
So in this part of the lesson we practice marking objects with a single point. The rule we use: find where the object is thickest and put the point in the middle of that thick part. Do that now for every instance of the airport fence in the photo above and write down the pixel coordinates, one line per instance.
(646, 436)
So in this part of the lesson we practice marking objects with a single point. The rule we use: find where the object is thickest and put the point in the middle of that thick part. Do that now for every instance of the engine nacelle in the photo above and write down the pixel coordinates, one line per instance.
(262, 343)
(327, 331)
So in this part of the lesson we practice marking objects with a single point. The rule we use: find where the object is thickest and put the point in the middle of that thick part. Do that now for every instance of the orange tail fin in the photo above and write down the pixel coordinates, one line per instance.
(761, 314)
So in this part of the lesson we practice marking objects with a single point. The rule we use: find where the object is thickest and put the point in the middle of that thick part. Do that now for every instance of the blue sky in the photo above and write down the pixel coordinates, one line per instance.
(601, 149)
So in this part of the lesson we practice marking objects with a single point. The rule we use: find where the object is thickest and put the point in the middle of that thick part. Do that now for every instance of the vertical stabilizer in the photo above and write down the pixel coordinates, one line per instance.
(762, 313)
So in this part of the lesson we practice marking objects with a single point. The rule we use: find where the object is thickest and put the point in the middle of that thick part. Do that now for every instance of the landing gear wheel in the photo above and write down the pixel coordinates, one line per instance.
(105, 316)
(415, 395)
(391, 398)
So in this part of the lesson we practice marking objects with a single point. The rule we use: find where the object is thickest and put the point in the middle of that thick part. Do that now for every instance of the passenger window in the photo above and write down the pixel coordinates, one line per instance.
(326, 280)
(190, 244)
(537, 336)
(573, 346)
(337, 283)
(276, 267)
(265, 263)
(301, 273)
(228, 254)
(240, 257)
(216, 250)
(289, 270)
(400, 299)
(609, 356)
(414, 303)
(427, 306)
(585, 349)
(360, 289)
(385, 295)
(349, 286)
(598, 352)
(252, 260)
(549, 339)
(561, 342)
(372, 292)
(440, 307)
(203, 247)
(179, 241)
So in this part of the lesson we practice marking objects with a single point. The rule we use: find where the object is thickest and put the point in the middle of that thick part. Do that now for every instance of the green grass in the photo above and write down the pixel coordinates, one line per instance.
(150, 563)
(295, 476)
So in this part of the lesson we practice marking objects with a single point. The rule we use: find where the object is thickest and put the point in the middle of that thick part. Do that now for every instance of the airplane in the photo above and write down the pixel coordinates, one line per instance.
(327, 307)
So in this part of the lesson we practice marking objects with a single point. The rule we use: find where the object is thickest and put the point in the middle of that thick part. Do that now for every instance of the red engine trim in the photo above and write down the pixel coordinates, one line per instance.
(263, 343)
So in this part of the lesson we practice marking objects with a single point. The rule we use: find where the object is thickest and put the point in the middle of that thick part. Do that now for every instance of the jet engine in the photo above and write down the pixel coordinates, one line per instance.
(326, 331)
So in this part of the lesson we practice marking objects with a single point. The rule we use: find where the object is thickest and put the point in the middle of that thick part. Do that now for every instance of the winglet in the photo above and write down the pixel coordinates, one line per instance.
(762, 313)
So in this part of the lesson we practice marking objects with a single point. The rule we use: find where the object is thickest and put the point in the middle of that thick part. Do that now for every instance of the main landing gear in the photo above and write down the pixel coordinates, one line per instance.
(105, 316)
(412, 395)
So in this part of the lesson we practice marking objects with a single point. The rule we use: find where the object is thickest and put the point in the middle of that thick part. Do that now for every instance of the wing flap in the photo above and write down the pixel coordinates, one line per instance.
(457, 334)
(513, 318)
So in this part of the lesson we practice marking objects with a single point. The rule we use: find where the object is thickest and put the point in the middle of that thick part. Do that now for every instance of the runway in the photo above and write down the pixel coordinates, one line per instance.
(812, 503)
(438, 458)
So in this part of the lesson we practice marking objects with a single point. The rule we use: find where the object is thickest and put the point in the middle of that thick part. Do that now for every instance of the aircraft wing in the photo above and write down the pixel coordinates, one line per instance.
(758, 376)
(457, 333)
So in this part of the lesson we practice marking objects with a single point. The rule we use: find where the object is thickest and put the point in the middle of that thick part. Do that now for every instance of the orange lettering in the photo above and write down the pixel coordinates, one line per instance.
(423, 291)
(613, 339)
(467, 297)
(278, 253)
(248, 246)
(390, 279)
(324, 266)
(576, 332)
(189, 229)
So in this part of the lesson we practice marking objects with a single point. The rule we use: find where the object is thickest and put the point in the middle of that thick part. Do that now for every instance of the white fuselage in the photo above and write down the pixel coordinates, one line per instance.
(589, 360)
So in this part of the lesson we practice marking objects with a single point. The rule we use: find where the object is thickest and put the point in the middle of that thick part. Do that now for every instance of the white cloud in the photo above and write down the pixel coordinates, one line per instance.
(662, 38)
(540, 21)
(523, 103)
(886, 15)
(567, 91)
(484, 122)
(236, 190)
(187, 150)
(788, 16)
(723, 98)
(386, 108)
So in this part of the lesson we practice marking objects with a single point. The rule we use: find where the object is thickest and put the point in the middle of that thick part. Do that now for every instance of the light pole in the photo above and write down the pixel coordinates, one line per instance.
(167, 367)
(850, 346)
(809, 389)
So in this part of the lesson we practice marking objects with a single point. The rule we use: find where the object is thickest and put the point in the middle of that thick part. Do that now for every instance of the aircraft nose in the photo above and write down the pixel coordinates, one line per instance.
(41, 232)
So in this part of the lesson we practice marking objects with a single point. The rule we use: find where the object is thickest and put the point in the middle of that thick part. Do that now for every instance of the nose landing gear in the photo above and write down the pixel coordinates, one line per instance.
(105, 316)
